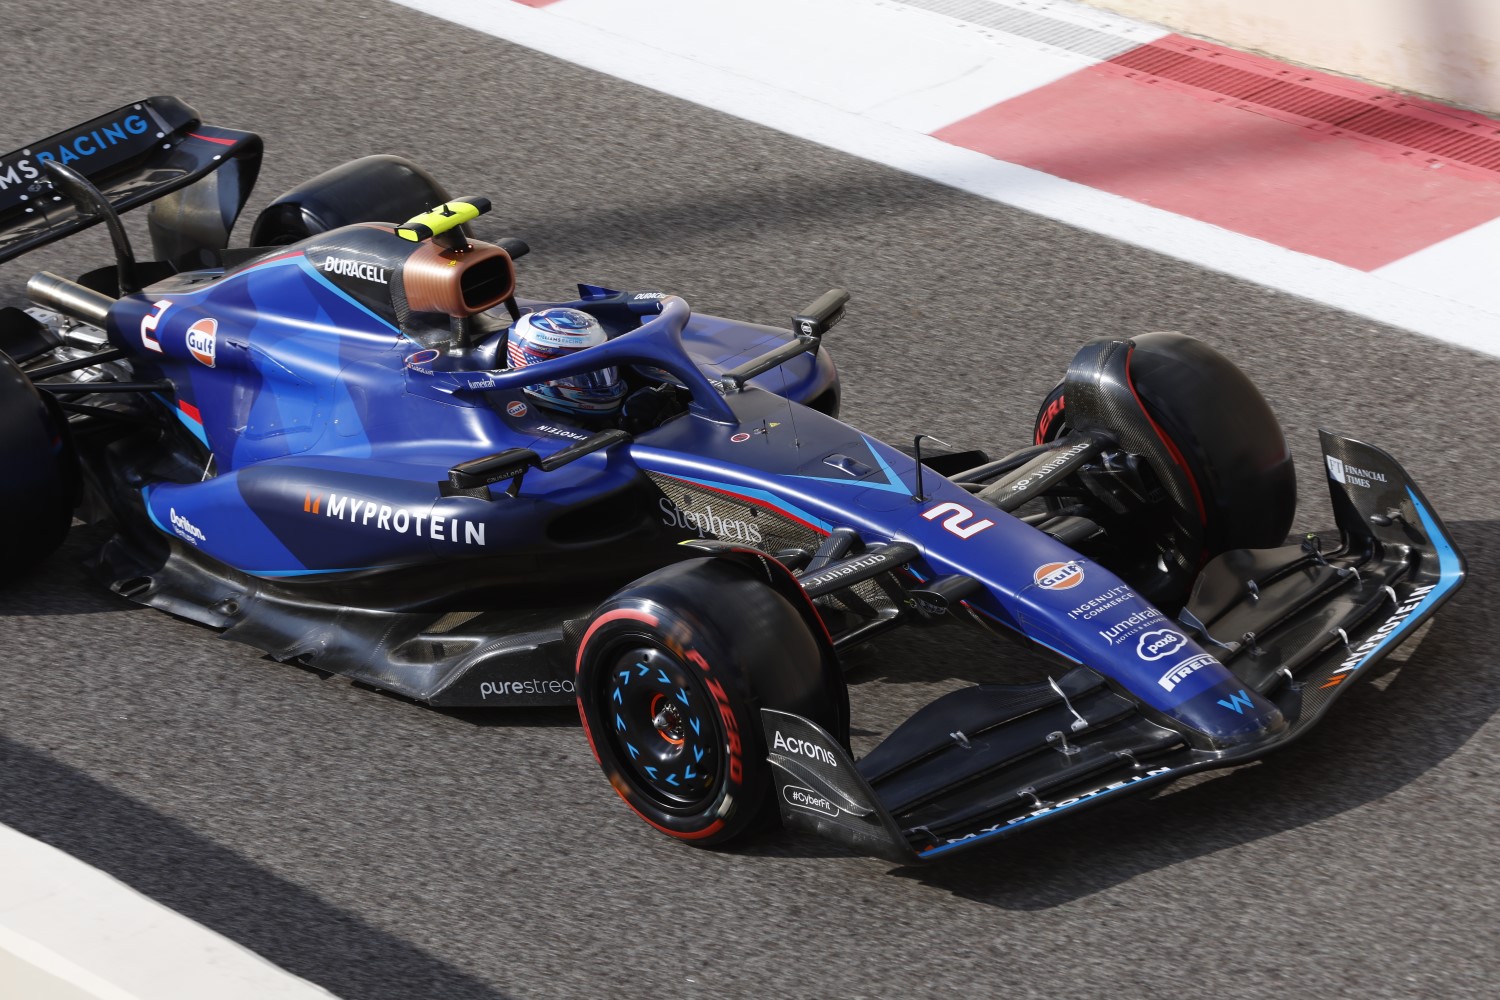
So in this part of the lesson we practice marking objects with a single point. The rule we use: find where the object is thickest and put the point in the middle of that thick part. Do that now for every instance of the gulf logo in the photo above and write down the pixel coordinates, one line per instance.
(1058, 576)
(203, 340)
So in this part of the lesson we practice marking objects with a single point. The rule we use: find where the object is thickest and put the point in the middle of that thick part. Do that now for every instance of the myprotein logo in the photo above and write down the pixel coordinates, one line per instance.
(706, 522)
(1184, 670)
(401, 520)
(203, 340)
(806, 748)
(347, 268)
(1158, 643)
(1058, 576)
(535, 686)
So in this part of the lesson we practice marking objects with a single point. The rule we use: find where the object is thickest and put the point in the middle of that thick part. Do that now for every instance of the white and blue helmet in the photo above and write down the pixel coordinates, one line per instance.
(555, 333)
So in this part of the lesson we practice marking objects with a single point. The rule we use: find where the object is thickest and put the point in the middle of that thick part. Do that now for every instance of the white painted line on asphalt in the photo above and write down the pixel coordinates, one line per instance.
(69, 931)
(1468, 263)
(29, 971)
(727, 57)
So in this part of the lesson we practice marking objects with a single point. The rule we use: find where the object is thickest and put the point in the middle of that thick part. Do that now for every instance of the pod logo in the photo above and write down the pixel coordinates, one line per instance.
(203, 340)
(1058, 576)
(1158, 643)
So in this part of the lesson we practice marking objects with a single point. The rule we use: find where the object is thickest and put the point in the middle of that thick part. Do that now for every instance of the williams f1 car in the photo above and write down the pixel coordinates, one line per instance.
(351, 445)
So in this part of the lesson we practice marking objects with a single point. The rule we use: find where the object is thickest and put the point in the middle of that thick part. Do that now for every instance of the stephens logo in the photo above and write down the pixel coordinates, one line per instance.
(202, 340)
(1158, 643)
(706, 522)
(1058, 576)
(806, 748)
(346, 268)
(1185, 669)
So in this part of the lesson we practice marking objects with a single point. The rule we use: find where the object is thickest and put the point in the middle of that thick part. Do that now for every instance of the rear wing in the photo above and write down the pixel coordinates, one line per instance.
(156, 150)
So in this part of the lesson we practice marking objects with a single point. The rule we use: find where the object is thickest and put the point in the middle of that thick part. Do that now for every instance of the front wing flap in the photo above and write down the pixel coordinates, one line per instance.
(1295, 624)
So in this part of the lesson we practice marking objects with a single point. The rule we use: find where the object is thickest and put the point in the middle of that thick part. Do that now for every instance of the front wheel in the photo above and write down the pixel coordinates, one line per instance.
(671, 675)
(1218, 459)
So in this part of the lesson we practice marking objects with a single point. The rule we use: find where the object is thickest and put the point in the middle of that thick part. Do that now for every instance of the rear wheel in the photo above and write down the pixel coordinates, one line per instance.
(39, 485)
(671, 676)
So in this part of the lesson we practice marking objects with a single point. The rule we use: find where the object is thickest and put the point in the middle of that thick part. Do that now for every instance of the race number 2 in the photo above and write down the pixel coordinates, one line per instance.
(149, 321)
(957, 515)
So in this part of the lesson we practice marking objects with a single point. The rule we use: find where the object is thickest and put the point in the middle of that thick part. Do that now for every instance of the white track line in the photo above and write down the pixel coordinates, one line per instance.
(809, 68)
(69, 931)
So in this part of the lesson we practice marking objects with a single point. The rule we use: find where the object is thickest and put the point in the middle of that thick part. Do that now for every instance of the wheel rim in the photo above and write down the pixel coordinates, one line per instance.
(662, 726)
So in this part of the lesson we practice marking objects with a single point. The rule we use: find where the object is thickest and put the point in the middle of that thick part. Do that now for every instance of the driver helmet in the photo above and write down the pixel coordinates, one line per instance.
(555, 333)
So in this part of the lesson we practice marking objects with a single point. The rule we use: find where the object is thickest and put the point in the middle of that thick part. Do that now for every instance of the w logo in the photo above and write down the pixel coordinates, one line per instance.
(1237, 703)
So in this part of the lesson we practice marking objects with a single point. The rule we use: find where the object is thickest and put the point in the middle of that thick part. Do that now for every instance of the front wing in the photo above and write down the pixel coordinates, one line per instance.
(1295, 624)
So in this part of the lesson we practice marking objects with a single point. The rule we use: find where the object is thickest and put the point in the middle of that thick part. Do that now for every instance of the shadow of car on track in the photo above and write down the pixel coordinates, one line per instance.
(62, 585)
(1407, 715)
(156, 855)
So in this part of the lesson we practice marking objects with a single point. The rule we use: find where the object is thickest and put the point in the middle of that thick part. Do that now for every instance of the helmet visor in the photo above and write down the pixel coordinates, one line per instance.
(600, 380)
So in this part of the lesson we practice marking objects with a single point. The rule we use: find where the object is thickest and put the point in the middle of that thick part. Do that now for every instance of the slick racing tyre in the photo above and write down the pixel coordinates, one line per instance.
(39, 478)
(671, 675)
(1221, 428)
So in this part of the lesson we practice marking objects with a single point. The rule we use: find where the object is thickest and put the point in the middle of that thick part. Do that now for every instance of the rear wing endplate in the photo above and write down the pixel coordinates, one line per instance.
(156, 150)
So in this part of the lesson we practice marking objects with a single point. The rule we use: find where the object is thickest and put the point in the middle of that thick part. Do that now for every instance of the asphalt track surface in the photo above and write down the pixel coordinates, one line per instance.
(383, 849)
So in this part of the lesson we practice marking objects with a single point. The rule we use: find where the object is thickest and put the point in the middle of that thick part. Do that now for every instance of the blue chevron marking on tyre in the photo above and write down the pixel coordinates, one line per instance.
(661, 675)
(671, 779)
(696, 730)
(697, 755)
(633, 751)
(619, 722)
(617, 696)
(682, 697)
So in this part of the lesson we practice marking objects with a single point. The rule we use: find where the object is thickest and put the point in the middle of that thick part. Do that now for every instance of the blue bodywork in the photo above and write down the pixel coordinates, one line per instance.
(325, 431)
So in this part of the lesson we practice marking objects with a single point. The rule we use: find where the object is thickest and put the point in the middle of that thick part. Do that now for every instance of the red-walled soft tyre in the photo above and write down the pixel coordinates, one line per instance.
(1223, 429)
(671, 675)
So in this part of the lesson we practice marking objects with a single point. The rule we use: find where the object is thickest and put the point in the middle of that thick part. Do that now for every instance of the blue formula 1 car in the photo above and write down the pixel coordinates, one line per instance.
(351, 445)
